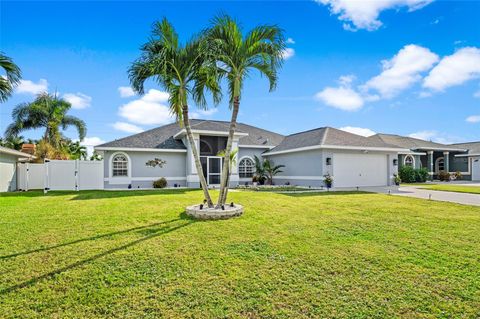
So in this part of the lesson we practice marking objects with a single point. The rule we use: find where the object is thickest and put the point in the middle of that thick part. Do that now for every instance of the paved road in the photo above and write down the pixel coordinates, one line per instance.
(409, 191)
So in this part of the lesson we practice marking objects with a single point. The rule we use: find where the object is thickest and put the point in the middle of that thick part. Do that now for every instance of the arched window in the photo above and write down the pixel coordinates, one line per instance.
(246, 167)
(409, 161)
(120, 166)
(205, 148)
(440, 164)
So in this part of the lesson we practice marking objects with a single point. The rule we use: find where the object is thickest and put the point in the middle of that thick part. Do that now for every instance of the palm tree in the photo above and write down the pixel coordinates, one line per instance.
(13, 142)
(271, 170)
(184, 72)
(11, 79)
(77, 151)
(237, 56)
(232, 161)
(48, 112)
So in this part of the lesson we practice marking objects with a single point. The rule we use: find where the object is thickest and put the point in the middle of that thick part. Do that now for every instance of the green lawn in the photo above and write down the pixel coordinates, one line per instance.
(449, 188)
(136, 255)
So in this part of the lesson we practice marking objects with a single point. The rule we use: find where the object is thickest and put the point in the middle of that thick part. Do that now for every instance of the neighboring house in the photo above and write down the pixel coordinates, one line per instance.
(8, 167)
(435, 157)
(472, 157)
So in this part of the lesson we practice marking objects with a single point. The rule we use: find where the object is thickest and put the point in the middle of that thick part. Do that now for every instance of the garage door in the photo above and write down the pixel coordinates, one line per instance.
(475, 169)
(352, 170)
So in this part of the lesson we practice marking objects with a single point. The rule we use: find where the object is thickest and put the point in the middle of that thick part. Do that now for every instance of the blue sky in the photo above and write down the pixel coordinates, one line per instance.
(409, 67)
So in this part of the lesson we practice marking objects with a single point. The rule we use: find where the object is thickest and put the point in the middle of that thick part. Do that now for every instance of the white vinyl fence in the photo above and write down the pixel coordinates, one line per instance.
(72, 175)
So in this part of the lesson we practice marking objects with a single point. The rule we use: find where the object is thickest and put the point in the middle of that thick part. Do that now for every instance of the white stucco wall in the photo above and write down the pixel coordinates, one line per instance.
(8, 172)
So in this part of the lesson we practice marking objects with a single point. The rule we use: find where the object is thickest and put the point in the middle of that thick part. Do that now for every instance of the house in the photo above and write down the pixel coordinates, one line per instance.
(8, 167)
(472, 158)
(353, 160)
(435, 157)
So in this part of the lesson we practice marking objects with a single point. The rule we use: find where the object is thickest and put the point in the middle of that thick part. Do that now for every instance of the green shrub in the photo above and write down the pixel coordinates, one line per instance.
(421, 175)
(160, 183)
(444, 176)
(407, 174)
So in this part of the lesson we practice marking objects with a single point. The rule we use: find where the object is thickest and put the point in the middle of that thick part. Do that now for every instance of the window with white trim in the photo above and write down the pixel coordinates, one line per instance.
(246, 168)
(409, 160)
(120, 166)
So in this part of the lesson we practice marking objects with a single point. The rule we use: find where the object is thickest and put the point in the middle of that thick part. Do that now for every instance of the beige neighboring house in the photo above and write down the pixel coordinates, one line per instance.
(8, 167)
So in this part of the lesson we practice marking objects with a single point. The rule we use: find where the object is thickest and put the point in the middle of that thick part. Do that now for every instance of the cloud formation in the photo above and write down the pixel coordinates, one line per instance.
(127, 127)
(126, 91)
(30, 87)
(150, 109)
(90, 142)
(288, 53)
(365, 14)
(343, 98)
(455, 69)
(78, 100)
(358, 130)
(473, 119)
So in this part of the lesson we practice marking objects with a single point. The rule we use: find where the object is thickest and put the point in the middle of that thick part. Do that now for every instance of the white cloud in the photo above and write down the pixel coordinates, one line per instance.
(477, 94)
(78, 100)
(90, 142)
(288, 53)
(290, 41)
(127, 127)
(126, 91)
(403, 70)
(473, 119)
(343, 98)
(454, 69)
(358, 130)
(27, 86)
(364, 14)
(424, 135)
(203, 113)
(150, 109)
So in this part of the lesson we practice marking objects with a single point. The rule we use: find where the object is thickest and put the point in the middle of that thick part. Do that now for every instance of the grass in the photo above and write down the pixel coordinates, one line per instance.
(450, 188)
(337, 255)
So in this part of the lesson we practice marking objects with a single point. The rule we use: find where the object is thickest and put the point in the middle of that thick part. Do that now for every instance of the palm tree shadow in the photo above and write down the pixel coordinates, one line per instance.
(91, 238)
(153, 233)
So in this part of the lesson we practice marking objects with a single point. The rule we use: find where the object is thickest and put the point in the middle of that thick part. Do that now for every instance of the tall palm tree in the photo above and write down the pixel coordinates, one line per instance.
(48, 112)
(184, 72)
(11, 79)
(237, 55)
(77, 151)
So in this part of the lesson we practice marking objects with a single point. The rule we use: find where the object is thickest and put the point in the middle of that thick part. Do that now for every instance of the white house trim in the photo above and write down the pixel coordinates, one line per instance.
(405, 160)
(300, 177)
(412, 153)
(336, 147)
(467, 155)
(257, 146)
(138, 149)
(141, 179)
(442, 149)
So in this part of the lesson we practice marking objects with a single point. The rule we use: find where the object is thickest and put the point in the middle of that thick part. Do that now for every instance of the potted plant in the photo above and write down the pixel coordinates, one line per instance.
(397, 179)
(328, 181)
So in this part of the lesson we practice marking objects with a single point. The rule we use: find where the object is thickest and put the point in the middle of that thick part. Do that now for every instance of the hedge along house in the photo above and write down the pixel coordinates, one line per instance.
(352, 160)
(435, 157)
(125, 159)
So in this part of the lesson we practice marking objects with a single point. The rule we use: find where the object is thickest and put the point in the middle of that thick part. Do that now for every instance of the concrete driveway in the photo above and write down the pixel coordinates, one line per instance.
(409, 191)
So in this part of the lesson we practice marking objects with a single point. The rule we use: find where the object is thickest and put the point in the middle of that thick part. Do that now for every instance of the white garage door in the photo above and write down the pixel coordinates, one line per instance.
(352, 170)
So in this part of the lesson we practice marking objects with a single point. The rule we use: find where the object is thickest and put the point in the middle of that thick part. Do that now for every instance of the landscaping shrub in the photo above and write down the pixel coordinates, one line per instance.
(444, 176)
(160, 183)
(421, 175)
(407, 174)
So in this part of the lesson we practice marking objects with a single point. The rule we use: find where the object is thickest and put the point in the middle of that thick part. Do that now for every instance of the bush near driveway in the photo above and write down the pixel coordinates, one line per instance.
(409, 174)
(134, 254)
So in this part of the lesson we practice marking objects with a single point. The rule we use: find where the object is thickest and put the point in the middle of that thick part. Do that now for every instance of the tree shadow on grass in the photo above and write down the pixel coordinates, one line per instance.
(183, 216)
(155, 232)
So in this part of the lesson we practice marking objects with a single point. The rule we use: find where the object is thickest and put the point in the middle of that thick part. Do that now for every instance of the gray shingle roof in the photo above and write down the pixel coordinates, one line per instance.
(472, 147)
(410, 142)
(325, 136)
(162, 137)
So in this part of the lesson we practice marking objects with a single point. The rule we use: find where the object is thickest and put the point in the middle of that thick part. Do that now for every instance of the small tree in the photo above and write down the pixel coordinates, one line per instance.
(266, 170)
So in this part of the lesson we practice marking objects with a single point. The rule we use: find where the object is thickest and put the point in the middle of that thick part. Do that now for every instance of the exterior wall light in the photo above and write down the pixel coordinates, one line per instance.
(395, 162)
(329, 161)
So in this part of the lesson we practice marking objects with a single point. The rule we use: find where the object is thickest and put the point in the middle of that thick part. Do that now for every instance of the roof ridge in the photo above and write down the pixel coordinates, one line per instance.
(324, 137)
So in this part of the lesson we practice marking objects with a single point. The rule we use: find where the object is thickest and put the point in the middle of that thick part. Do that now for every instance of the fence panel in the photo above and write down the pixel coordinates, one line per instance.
(31, 176)
(90, 175)
(61, 175)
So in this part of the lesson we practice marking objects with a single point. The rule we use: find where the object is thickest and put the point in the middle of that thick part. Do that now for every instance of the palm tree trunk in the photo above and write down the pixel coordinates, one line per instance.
(198, 165)
(222, 198)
